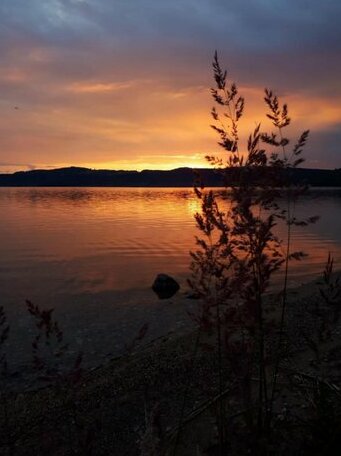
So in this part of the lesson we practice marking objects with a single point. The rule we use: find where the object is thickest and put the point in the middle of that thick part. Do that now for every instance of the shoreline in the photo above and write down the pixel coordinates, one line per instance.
(119, 391)
(178, 177)
(111, 323)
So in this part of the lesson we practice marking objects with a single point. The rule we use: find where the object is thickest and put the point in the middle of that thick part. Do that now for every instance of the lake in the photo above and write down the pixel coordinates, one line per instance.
(93, 253)
(95, 239)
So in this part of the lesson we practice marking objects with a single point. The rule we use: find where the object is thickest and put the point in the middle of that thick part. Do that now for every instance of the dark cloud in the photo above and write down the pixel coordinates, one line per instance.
(260, 40)
(325, 150)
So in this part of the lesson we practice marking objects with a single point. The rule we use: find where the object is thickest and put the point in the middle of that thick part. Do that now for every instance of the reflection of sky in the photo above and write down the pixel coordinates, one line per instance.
(124, 83)
(76, 240)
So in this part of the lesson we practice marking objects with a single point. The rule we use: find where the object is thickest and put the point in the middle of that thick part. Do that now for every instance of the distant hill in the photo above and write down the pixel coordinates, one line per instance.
(180, 177)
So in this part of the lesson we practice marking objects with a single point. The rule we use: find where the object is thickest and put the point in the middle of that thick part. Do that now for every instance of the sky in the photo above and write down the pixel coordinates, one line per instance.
(125, 84)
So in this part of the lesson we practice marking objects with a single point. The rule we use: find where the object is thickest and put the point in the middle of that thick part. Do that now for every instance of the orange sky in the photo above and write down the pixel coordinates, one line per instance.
(135, 97)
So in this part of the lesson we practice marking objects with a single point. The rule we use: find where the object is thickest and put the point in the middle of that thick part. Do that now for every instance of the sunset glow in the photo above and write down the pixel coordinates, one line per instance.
(99, 87)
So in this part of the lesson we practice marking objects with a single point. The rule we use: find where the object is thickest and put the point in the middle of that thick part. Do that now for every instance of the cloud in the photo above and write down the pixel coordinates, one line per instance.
(324, 148)
(9, 167)
(104, 80)
(98, 87)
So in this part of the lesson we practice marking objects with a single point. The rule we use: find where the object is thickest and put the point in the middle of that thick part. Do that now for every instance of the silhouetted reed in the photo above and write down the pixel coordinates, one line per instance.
(238, 253)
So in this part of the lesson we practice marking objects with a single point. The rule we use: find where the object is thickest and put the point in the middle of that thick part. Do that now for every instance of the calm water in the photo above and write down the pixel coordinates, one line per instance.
(81, 250)
(80, 240)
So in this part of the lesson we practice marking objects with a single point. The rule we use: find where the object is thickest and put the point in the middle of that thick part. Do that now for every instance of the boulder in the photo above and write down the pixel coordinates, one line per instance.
(165, 286)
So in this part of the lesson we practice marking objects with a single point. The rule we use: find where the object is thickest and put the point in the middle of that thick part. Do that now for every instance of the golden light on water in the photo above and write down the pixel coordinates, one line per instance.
(121, 237)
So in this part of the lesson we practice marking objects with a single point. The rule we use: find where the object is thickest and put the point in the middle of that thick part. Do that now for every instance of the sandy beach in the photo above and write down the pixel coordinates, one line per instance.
(116, 391)
(102, 325)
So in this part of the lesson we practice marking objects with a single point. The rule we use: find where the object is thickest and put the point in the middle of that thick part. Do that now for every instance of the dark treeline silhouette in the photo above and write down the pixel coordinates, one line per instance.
(180, 177)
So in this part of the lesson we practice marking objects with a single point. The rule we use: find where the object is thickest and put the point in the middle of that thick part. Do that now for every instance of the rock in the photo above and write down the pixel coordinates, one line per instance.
(165, 286)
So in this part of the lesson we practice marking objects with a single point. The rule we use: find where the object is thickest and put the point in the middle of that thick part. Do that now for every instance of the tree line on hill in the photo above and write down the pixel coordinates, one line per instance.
(180, 177)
